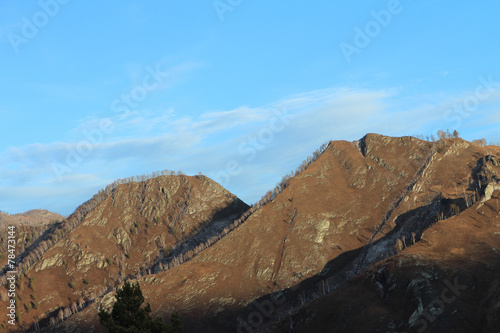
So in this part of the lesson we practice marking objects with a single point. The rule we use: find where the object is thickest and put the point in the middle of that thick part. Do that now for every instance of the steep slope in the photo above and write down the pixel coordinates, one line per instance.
(447, 282)
(136, 224)
(458, 250)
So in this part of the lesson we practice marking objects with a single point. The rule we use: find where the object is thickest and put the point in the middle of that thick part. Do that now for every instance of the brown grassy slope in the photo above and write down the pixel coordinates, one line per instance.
(447, 282)
(120, 237)
(446, 201)
(465, 246)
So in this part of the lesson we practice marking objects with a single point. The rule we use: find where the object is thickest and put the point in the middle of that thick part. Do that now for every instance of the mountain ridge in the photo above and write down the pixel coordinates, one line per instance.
(348, 209)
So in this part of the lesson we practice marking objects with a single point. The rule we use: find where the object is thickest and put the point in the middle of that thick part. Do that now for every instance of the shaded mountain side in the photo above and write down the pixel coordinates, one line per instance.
(137, 223)
(447, 282)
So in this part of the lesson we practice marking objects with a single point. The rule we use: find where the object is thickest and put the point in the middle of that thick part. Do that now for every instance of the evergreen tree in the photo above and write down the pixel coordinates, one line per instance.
(176, 323)
(127, 315)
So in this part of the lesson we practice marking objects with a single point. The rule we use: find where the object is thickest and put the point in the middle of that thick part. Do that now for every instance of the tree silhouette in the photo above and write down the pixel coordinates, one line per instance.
(127, 315)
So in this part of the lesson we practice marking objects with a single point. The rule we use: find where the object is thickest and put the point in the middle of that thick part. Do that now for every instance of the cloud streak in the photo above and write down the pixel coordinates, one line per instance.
(143, 143)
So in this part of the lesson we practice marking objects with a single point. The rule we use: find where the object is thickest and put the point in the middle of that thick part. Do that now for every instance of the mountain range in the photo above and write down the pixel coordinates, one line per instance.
(383, 234)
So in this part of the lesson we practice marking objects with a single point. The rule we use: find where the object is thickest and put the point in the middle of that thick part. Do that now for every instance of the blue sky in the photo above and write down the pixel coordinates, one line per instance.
(239, 90)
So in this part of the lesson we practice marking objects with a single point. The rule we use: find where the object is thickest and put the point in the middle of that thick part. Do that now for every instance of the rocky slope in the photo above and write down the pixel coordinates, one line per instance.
(135, 225)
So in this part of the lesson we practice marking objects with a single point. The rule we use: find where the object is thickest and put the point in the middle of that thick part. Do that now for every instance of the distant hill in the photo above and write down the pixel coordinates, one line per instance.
(29, 227)
(33, 217)
(384, 234)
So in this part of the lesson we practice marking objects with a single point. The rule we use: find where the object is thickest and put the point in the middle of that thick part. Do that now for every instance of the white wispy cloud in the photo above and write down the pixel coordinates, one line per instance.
(146, 142)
